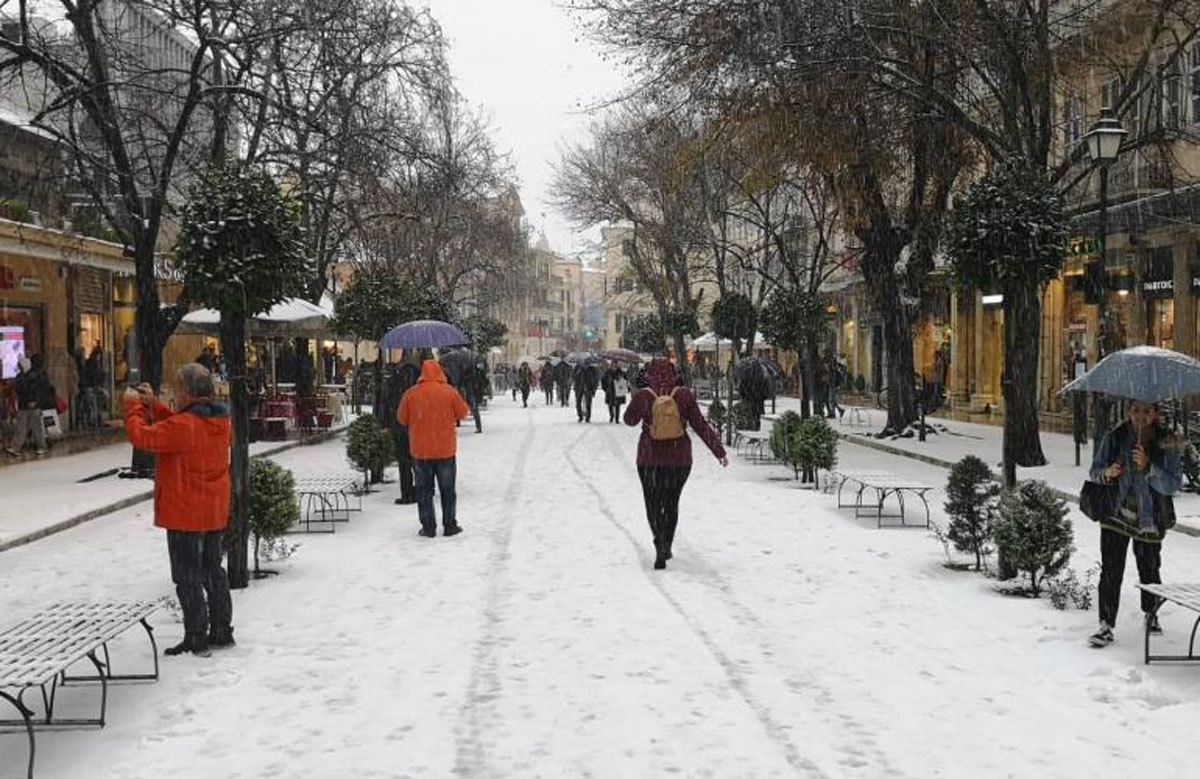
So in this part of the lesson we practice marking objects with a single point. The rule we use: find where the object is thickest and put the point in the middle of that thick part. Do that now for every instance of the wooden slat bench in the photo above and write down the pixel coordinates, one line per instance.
(1187, 596)
(38, 651)
(883, 485)
(327, 498)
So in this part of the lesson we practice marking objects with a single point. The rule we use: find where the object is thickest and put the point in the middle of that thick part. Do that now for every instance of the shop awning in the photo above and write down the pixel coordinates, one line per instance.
(709, 342)
(292, 318)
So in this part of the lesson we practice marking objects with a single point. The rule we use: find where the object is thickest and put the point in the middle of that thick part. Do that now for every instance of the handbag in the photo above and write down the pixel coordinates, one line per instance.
(1098, 501)
(620, 388)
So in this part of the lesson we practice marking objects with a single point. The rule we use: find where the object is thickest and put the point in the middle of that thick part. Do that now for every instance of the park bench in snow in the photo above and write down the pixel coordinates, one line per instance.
(38, 652)
(328, 499)
(881, 485)
(1186, 595)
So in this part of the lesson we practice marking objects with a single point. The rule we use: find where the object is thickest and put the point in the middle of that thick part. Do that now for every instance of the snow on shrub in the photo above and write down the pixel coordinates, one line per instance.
(369, 447)
(971, 505)
(745, 416)
(1033, 533)
(1067, 589)
(806, 444)
(273, 504)
(717, 415)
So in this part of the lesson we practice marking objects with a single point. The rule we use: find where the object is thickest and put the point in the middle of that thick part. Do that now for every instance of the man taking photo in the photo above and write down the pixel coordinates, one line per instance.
(191, 498)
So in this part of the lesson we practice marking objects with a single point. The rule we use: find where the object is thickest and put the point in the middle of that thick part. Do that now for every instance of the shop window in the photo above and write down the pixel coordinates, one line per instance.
(1194, 72)
(1074, 111)
(25, 323)
(1170, 93)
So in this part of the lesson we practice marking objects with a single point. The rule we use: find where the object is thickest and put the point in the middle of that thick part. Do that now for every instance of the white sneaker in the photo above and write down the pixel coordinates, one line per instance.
(1102, 637)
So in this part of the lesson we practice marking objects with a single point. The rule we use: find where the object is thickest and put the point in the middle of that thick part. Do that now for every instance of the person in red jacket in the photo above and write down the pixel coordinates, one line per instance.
(430, 410)
(664, 455)
(191, 498)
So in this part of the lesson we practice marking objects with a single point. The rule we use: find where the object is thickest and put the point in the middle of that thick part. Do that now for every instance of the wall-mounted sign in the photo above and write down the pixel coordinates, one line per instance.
(30, 284)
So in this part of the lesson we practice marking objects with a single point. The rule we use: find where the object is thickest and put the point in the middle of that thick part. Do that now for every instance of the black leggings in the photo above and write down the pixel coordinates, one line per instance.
(1114, 548)
(661, 487)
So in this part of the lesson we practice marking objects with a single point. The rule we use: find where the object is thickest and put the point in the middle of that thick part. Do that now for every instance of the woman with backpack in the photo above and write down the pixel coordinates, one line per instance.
(664, 457)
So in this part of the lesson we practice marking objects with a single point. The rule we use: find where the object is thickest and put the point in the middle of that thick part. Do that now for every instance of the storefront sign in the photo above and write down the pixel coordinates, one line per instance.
(31, 284)
(1159, 281)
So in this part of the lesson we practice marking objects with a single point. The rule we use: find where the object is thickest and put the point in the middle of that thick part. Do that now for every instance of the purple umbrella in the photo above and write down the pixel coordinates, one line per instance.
(621, 355)
(423, 334)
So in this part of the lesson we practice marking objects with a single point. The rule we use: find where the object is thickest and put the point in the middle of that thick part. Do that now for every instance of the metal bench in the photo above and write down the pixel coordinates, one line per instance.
(855, 417)
(328, 499)
(882, 485)
(1186, 595)
(38, 651)
(754, 445)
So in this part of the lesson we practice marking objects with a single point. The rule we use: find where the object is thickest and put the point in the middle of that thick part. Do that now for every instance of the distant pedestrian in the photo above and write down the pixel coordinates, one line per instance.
(1144, 461)
(191, 498)
(34, 393)
(563, 377)
(431, 410)
(616, 390)
(664, 457)
(546, 380)
(585, 380)
(524, 383)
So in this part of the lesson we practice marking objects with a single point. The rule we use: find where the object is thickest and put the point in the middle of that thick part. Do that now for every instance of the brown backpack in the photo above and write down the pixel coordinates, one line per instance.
(666, 424)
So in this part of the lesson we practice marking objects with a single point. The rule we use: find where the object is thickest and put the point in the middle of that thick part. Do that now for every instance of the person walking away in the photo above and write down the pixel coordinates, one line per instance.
(32, 388)
(664, 456)
(564, 376)
(1144, 461)
(431, 410)
(524, 383)
(585, 389)
(191, 498)
(546, 379)
(608, 384)
(837, 377)
(621, 390)
(395, 384)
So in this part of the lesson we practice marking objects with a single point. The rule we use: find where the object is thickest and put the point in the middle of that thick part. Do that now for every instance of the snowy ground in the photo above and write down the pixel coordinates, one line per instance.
(786, 639)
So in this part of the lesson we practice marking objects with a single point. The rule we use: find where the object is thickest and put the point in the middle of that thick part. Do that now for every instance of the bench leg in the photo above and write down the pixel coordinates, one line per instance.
(107, 665)
(27, 721)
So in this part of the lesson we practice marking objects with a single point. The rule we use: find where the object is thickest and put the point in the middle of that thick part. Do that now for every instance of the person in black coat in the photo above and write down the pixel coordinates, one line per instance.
(400, 379)
(563, 376)
(616, 390)
(34, 393)
(546, 380)
(585, 380)
(524, 383)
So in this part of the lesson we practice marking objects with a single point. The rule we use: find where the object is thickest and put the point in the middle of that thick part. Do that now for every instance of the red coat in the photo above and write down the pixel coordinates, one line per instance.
(191, 482)
(430, 410)
(662, 380)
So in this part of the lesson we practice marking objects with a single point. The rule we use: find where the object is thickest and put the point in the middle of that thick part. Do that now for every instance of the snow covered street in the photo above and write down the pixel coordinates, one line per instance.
(785, 638)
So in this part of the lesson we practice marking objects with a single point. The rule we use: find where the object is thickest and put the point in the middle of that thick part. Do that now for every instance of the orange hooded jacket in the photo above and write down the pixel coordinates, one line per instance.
(430, 410)
(191, 481)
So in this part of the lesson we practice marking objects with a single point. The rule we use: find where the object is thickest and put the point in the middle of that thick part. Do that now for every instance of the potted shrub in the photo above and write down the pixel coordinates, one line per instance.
(1033, 532)
(273, 507)
(717, 415)
(971, 506)
(369, 448)
(745, 416)
(808, 444)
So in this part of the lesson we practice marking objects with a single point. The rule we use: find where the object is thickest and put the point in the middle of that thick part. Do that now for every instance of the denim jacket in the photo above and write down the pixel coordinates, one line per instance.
(1153, 487)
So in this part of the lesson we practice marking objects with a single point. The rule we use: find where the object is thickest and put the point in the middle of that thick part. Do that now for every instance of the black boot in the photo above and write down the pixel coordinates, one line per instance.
(221, 638)
(660, 562)
(196, 643)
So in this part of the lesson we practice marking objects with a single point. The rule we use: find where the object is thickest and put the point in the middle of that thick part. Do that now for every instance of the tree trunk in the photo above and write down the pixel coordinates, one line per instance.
(377, 407)
(1022, 323)
(148, 343)
(681, 356)
(233, 346)
(883, 245)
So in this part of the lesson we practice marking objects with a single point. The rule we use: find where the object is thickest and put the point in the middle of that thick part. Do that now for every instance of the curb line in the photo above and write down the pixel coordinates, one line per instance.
(133, 500)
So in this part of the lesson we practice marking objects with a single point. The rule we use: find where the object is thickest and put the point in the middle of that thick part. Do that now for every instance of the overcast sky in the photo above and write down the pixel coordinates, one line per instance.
(525, 64)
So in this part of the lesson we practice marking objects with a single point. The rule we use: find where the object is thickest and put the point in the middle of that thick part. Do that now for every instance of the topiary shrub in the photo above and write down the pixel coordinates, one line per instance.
(971, 505)
(807, 445)
(1033, 533)
(273, 506)
(745, 416)
(717, 415)
(369, 448)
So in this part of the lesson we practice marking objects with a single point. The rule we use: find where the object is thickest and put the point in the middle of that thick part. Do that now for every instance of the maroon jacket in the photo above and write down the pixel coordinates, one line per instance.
(661, 378)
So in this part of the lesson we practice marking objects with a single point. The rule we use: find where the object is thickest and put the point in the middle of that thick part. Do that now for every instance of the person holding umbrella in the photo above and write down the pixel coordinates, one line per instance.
(665, 409)
(1143, 460)
(431, 410)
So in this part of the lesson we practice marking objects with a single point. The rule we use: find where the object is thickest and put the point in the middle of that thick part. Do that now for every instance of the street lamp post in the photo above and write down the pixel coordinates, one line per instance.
(1104, 145)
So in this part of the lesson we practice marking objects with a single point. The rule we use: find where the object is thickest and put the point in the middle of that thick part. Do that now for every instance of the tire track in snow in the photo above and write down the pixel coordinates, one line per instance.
(737, 679)
(745, 617)
(484, 685)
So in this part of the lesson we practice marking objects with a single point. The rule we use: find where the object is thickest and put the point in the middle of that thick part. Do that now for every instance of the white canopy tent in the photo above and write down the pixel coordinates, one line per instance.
(291, 318)
(710, 343)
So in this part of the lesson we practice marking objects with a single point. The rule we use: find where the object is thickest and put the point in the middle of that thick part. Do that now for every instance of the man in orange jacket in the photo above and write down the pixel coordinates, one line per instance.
(191, 498)
(430, 410)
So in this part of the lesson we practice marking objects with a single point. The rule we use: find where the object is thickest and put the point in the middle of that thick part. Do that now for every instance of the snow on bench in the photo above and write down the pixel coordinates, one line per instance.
(1186, 595)
(327, 497)
(882, 484)
(38, 651)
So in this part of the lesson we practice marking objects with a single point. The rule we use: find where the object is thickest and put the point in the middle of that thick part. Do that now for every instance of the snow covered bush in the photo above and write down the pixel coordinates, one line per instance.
(807, 445)
(971, 505)
(1067, 589)
(273, 504)
(745, 416)
(1033, 532)
(369, 447)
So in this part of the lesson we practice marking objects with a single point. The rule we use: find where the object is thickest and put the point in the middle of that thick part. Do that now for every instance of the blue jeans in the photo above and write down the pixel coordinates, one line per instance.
(425, 472)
